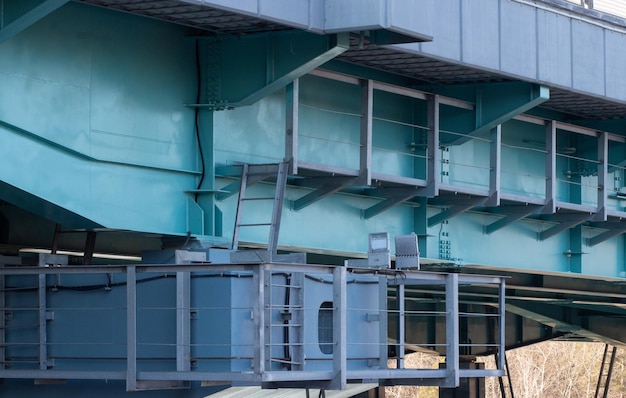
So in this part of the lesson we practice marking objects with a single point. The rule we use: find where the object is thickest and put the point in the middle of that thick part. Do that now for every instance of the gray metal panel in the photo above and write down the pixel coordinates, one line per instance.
(293, 12)
(480, 29)
(342, 15)
(587, 57)
(518, 36)
(554, 48)
(409, 16)
(615, 59)
(447, 36)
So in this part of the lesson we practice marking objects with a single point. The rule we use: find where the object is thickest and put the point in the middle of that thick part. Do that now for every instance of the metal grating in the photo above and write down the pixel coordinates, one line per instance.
(196, 16)
(394, 60)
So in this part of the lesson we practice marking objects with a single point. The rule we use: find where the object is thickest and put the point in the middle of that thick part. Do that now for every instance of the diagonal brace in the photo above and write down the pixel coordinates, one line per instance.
(563, 226)
(453, 211)
(511, 218)
(30, 18)
(499, 102)
(400, 197)
(320, 193)
(606, 236)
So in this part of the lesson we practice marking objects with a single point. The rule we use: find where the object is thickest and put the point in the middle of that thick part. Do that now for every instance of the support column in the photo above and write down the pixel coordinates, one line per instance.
(550, 203)
(452, 330)
(340, 352)
(292, 95)
(183, 322)
(131, 329)
(434, 157)
(367, 107)
(494, 167)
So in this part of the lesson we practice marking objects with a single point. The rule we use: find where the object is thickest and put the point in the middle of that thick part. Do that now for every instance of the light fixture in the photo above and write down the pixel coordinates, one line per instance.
(378, 255)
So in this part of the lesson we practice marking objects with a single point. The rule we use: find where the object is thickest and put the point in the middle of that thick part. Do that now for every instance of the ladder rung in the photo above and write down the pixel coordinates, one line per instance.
(255, 225)
(265, 198)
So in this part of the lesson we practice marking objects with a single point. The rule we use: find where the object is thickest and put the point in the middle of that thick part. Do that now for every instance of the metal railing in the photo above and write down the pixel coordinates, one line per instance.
(161, 326)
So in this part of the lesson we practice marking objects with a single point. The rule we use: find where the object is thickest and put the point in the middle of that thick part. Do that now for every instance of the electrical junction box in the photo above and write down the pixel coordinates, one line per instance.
(407, 252)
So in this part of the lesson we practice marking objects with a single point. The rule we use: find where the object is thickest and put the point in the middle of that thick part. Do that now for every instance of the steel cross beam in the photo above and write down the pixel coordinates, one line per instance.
(30, 18)
(500, 102)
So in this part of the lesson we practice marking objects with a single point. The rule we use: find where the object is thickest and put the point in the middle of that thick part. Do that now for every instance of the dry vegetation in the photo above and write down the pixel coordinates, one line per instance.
(550, 369)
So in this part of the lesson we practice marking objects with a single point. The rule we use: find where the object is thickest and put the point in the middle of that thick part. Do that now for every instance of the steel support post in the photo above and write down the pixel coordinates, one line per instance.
(495, 166)
(550, 203)
(297, 331)
(365, 155)
(292, 94)
(382, 322)
(401, 326)
(603, 178)
(452, 330)
(339, 330)
(183, 321)
(131, 329)
(501, 324)
(434, 156)
(258, 315)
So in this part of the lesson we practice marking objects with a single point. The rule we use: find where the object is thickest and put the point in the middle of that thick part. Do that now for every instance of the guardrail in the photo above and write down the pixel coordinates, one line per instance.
(268, 324)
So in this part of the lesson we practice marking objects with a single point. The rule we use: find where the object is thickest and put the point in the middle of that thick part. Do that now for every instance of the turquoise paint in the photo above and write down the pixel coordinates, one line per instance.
(255, 66)
(396, 127)
(77, 76)
(99, 73)
(252, 134)
(523, 159)
(329, 122)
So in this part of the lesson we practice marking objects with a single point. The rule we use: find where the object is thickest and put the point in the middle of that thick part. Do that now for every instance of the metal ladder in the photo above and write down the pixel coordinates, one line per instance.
(251, 174)
(606, 370)
(504, 382)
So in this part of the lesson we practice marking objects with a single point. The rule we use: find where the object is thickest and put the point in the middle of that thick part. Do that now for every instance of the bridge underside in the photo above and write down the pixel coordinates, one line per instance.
(126, 126)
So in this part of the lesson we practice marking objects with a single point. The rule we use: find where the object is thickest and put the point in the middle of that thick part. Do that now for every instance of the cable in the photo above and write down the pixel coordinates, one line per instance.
(197, 116)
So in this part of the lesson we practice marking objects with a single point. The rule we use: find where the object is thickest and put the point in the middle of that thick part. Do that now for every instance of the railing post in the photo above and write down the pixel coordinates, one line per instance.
(502, 308)
(258, 314)
(183, 321)
(452, 330)
(401, 326)
(131, 328)
(340, 357)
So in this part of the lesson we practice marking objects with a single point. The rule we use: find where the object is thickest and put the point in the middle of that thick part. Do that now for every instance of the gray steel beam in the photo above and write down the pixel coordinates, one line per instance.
(340, 351)
(183, 321)
(365, 153)
(258, 315)
(131, 329)
(518, 214)
(386, 204)
(401, 333)
(495, 158)
(603, 179)
(434, 157)
(454, 210)
(500, 102)
(550, 203)
(452, 330)
(563, 225)
(606, 235)
(292, 106)
(322, 192)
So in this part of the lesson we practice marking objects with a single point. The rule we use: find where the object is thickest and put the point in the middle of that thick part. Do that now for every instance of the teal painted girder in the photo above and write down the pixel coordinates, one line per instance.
(252, 67)
(86, 109)
(19, 16)
(86, 124)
